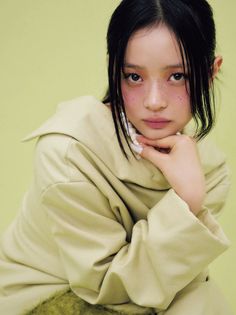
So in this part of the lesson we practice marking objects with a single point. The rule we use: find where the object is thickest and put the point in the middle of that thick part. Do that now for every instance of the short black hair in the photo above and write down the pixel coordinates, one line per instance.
(192, 23)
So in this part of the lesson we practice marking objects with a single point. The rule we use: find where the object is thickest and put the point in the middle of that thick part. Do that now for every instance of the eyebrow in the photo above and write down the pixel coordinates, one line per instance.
(167, 67)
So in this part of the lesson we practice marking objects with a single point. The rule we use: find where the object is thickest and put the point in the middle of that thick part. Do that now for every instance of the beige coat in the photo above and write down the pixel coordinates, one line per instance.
(112, 230)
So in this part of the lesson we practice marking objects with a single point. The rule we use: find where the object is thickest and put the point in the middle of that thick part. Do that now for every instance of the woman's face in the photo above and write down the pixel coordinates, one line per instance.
(154, 85)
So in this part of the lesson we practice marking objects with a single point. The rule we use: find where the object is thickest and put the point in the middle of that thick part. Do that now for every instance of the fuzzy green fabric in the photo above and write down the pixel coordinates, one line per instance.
(69, 304)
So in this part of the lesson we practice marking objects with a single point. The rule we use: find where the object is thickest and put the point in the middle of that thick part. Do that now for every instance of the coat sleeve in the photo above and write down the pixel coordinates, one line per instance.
(166, 251)
(217, 186)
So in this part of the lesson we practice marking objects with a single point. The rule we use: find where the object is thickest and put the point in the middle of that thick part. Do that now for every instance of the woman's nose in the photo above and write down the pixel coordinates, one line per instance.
(156, 99)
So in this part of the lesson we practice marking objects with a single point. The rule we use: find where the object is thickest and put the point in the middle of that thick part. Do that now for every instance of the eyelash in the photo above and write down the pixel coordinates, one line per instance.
(183, 76)
(128, 77)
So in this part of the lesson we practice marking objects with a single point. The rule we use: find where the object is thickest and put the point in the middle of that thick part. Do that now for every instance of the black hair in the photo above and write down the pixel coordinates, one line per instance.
(192, 23)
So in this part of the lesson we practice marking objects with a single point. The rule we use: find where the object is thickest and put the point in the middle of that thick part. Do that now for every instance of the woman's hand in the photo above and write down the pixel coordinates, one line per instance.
(177, 157)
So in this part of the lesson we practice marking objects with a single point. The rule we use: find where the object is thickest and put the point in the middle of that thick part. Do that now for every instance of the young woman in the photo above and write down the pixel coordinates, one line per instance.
(120, 217)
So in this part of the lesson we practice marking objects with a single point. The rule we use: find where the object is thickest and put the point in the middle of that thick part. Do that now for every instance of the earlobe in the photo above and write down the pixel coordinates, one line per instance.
(217, 65)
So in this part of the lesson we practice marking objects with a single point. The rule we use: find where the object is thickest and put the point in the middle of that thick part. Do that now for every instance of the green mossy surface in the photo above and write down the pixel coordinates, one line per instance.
(70, 304)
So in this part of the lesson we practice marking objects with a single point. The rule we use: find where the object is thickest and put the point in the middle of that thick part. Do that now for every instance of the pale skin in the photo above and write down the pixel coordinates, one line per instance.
(157, 104)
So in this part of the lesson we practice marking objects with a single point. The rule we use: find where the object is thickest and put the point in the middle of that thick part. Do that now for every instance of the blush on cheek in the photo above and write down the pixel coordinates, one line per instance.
(183, 104)
(124, 92)
(180, 98)
(130, 100)
(129, 97)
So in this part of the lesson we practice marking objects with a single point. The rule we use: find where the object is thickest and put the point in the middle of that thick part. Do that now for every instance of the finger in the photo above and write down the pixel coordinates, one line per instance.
(154, 156)
(146, 141)
(142, 139)
(167, 142)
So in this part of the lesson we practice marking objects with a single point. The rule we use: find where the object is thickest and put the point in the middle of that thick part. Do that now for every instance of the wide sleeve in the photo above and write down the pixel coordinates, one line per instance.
(217, 188)
(165, 253)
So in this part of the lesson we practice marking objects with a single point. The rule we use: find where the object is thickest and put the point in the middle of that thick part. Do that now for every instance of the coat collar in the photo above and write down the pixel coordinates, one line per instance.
(89, 121)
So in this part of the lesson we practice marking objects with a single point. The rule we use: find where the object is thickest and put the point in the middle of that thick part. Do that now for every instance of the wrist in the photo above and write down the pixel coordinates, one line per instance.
(194, 200)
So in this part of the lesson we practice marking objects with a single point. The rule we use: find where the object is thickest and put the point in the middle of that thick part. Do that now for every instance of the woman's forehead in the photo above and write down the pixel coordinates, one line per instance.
(156, 43)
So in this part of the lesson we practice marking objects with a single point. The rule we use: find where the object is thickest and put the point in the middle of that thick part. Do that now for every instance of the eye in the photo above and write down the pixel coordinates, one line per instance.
(133, 77)
(178, 76)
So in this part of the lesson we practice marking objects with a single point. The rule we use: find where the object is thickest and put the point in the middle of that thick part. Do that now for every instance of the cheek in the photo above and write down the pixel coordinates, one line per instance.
(183, 105)
(182, 99)
(131, 96)
(181, 102)
(183, 96)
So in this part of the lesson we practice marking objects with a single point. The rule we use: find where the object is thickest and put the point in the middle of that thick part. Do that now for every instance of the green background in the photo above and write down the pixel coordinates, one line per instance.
(54, 50)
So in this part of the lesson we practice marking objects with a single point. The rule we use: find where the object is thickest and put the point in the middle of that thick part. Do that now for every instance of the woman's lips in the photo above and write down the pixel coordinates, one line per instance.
(156, 123)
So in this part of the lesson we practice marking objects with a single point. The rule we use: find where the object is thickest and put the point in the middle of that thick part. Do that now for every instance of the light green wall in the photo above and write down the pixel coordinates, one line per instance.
(54, 50)
(223, 269)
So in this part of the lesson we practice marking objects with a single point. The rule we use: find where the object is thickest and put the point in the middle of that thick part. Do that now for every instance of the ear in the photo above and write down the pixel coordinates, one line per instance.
(216, 65)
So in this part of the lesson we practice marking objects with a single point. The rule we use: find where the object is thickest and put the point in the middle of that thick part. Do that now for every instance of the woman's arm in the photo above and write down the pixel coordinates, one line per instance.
(180, 165)
(166, 251)
(91, 226)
